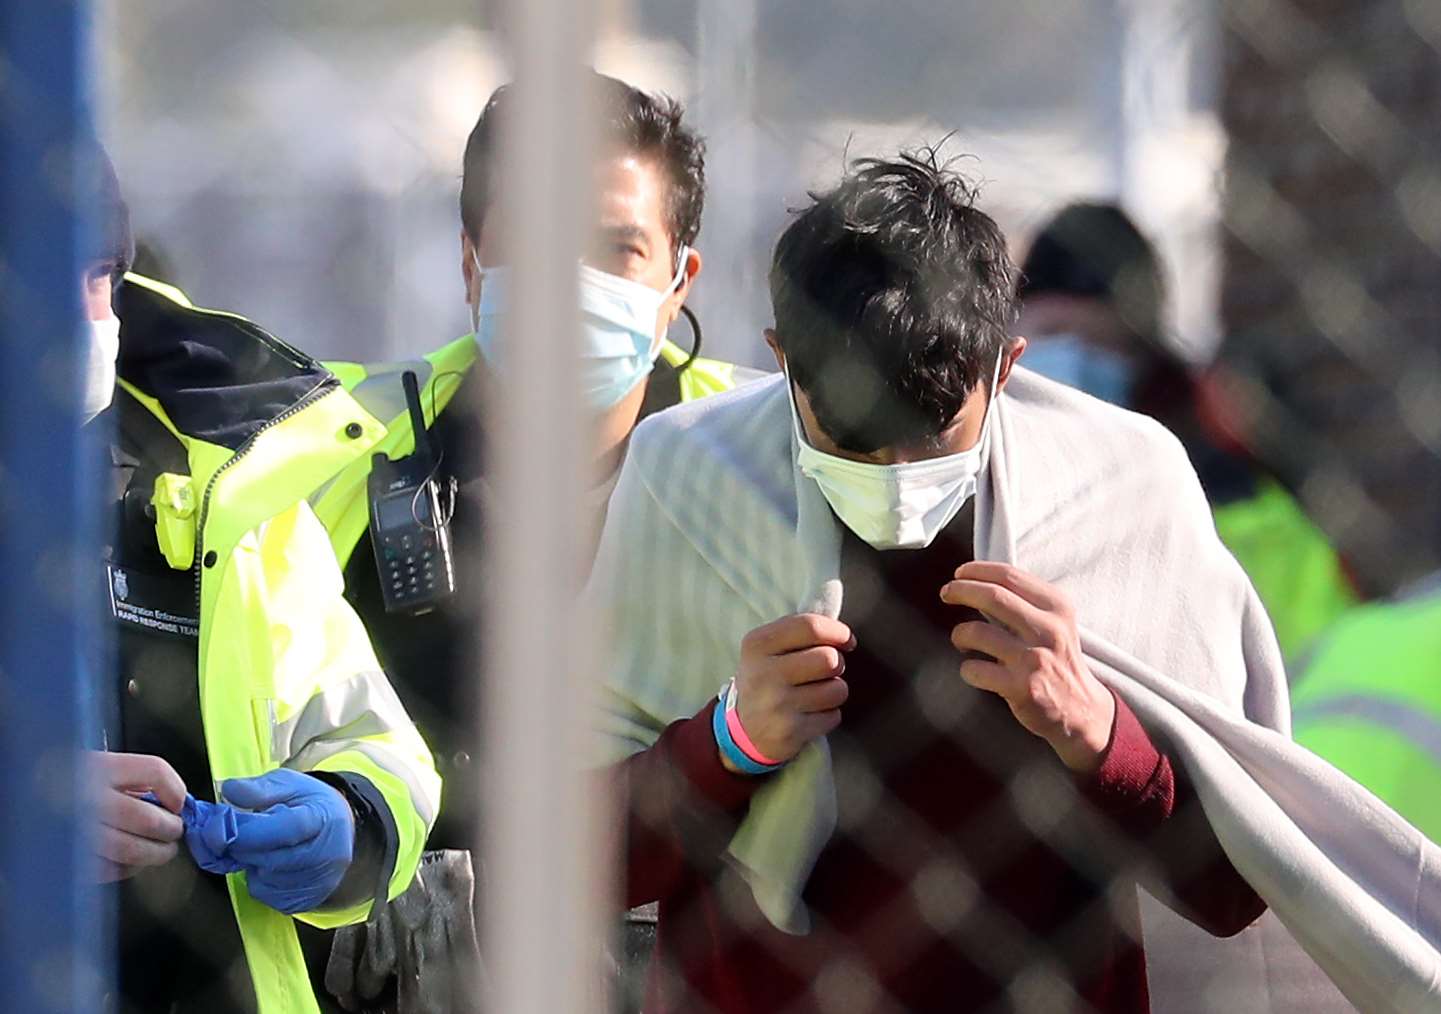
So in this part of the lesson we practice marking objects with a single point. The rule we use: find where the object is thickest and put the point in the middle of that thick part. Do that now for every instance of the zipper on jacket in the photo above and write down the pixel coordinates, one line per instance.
(326, 385)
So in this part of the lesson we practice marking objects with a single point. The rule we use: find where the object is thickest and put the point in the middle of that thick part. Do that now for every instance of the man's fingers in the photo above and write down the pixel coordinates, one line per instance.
(134, 815)
(988, 639)
(108, 872)
(998, 603)
(988, 676)
(788, 685)
(1037, 592)
(138, 772)
(793, 633)
(124, 849)
(809, 665)
(814, 726)
(822, 695)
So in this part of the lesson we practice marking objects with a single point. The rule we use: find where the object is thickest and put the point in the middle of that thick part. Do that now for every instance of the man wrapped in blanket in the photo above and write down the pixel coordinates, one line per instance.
(922, 666)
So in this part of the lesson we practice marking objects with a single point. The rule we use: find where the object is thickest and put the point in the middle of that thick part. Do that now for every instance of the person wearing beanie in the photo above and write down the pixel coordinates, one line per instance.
(107, 257)
(1092, 294)
(256, 767)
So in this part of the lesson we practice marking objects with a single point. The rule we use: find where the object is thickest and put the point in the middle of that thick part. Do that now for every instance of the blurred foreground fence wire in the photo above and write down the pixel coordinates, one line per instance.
(50, 921)
(1331, 299)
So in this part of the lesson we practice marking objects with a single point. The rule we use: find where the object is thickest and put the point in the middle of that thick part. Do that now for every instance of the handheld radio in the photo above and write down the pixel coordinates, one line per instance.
(408, 529)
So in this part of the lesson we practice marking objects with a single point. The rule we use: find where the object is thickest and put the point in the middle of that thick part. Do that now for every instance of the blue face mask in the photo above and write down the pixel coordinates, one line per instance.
(619, 343)
(1069, 360)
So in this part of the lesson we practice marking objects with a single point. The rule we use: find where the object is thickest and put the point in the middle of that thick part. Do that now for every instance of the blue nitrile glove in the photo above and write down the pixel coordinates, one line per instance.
(210, 830)
(296, 844)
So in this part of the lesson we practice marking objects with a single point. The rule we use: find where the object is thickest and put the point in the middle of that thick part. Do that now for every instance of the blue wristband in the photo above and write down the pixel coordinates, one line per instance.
(728, 747)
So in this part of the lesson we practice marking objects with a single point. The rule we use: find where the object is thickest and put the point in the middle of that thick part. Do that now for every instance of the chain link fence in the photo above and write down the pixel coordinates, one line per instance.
(1330, 302)
(301, 165)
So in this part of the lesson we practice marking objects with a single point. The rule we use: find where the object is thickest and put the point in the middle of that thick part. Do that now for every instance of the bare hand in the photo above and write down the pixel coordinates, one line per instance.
(789, 688)
(1038, 667)
(135, 832)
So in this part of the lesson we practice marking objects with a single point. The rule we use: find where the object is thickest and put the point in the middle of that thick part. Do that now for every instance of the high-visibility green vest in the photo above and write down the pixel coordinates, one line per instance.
(286, 671)
(1369, 701)
(1293, 567)
(341, 503)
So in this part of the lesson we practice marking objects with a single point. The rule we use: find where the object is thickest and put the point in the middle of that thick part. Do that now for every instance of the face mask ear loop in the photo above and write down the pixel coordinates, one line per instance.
(683, 255)
(994, 393)
(795, 412)
(798, 428)
(984, 443)
(475, 303)
(682, 258)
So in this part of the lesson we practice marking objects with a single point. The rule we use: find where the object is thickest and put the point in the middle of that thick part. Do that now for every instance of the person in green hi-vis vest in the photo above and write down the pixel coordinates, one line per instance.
(244, 711)
(1092, 296)
(1369, 701)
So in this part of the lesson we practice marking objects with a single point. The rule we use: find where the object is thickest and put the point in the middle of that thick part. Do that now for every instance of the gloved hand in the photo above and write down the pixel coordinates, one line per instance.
(297, 842)
(210, 830)
(424, 941)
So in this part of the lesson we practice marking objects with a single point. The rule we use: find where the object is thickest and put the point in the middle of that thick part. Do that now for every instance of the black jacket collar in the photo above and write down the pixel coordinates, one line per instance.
(218, 377)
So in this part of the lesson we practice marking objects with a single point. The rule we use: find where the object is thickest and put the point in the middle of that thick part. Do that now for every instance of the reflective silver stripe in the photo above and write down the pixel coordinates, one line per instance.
(1421, 729)
(384, 758)
(381, 393)
(342, 717)
(363, 705)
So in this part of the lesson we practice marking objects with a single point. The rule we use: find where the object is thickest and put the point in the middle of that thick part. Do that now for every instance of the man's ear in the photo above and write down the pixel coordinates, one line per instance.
(770, 337)
(1008, 360)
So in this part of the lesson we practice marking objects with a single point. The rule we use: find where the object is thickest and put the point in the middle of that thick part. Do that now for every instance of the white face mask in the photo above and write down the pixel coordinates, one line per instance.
(619, 342)
(102, 349)
(1068, 359)
(901, 506)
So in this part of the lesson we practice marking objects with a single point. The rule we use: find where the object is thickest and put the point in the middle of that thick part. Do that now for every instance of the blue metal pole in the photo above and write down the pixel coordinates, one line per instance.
(51, 924)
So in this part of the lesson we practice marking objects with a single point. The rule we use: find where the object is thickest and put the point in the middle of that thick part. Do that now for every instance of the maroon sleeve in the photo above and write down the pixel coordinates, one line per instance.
(680, 806)
(1135, 785)
(1140, 791)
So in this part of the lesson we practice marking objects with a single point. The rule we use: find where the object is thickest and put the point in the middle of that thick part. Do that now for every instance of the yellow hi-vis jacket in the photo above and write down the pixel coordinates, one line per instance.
(341, 504)
(1292, 565)
(287, 674)
(1369, 701)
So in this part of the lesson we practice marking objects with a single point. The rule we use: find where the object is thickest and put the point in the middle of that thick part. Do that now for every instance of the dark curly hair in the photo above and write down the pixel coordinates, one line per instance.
(893, 296)
(650, 126)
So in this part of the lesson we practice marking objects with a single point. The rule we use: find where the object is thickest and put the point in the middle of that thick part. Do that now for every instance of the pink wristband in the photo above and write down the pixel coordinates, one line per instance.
(738, 732)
